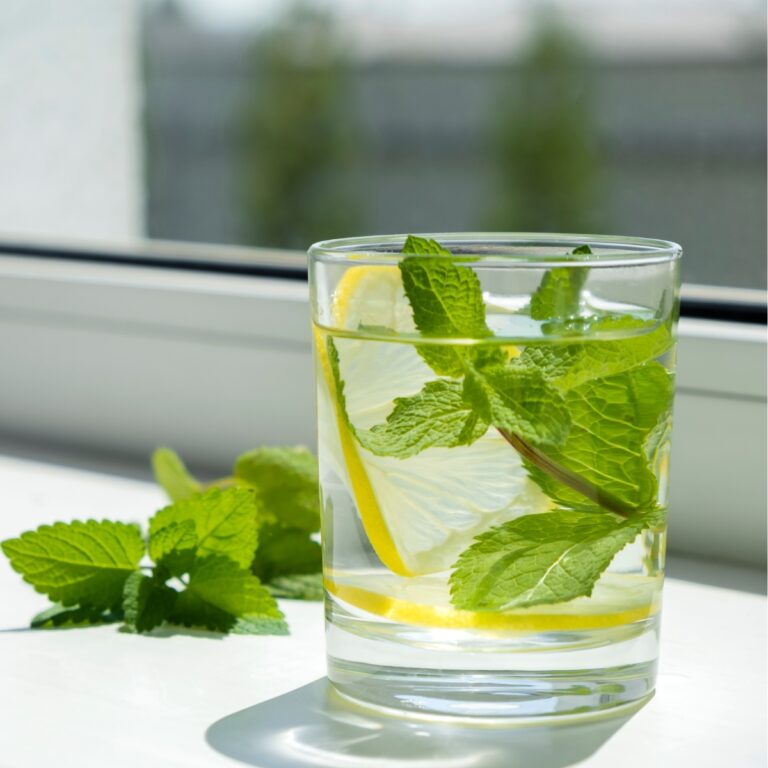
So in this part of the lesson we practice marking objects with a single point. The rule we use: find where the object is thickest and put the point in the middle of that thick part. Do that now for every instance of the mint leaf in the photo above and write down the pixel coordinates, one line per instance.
(559, 295)
(285, 551)
(59, 616)
(658, 439)
(519, 400)
(287, 483)
(147, 602)
(226, 523)
(78, 563)
(259, 625)
(172, 476)
(220, 592)
(435, 417)
(447, 302)
(298, 586)
(611, 421)
(568, 365)
(424, 246)
(538, 559)
(173, 547)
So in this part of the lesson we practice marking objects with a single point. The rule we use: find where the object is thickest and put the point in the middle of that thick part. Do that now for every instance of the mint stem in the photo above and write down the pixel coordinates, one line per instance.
(565, 476)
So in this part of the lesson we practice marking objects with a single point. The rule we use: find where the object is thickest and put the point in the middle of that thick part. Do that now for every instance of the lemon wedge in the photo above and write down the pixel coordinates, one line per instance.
(418, 513)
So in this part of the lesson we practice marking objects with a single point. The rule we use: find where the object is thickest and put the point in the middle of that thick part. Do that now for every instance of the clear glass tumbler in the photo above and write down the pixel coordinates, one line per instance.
(494, 415)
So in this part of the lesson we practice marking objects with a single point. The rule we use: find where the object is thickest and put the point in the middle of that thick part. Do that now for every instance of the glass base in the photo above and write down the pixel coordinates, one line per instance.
(523, 696)
(489, 674)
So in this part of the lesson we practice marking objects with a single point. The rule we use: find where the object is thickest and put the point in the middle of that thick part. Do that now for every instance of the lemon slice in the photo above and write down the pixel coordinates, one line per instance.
(617, 599)
(418, 513)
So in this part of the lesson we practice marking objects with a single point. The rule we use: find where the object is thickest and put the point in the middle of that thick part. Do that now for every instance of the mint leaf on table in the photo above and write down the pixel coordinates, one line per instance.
(568, 365)
(518, 400)
(284, 551)
(58, 616)
(298, 586)
(172, 547)
(220, 594)
(286, 480)
(612, 419)
(538, 559)
(172, 476)
(226, 523)
(147, 602)
(437, 416)
(78, 563)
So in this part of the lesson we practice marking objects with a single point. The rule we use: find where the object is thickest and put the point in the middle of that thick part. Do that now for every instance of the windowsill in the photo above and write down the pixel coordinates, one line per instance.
(150, 700)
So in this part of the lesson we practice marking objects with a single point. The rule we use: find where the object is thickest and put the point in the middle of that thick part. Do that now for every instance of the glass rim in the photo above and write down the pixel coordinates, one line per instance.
(607, 250)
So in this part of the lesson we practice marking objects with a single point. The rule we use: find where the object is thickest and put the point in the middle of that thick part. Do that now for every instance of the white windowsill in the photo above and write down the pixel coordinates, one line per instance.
(99, 696)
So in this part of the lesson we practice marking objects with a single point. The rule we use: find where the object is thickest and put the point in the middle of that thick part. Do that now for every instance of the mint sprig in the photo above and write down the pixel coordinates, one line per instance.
(173, 476)
(613, 419)
(519, 400)
(208, 551)
(569, 365)
(438, 416)
(226, 522)
(78, 563)
(447, 302)
(284, 481)
(586, 416)
(221, 596)
(537, 559)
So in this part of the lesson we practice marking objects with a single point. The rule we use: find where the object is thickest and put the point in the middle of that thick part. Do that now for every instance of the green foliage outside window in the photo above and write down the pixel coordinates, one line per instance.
(298, 136)
(542, 144)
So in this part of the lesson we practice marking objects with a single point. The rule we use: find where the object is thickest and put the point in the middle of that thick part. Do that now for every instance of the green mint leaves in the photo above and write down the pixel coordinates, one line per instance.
(172, 476)
(437, 416)
(286, 481)
(80, 563)
(215, 552)
(424, 246)
(225, 522)
(519, 400)
(447, 302)
(587, 417)
(612, 421)
(221, 596)
(568, 365)
(147, 602)
(283, 482)
(537, 559)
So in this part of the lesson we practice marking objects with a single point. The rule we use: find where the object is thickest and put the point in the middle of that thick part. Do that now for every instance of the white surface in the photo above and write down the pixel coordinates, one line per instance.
(93, 697)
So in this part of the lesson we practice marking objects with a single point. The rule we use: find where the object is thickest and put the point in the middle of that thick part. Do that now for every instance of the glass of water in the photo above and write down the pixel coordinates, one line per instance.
(494, 415)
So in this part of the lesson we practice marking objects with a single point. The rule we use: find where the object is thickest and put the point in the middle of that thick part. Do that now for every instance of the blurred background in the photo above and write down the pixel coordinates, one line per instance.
(280, 123)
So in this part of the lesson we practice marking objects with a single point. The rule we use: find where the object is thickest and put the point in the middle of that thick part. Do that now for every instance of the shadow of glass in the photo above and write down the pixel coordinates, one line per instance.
(314, 726)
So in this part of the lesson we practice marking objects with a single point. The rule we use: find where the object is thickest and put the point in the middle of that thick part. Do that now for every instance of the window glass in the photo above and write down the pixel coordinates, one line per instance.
(280, 123)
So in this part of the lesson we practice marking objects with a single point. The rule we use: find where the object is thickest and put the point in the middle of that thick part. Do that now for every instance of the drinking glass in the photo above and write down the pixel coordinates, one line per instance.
(494, 416)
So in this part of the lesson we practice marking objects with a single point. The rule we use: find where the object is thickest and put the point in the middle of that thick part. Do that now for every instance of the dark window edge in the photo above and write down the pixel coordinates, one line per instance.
(234, 261)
